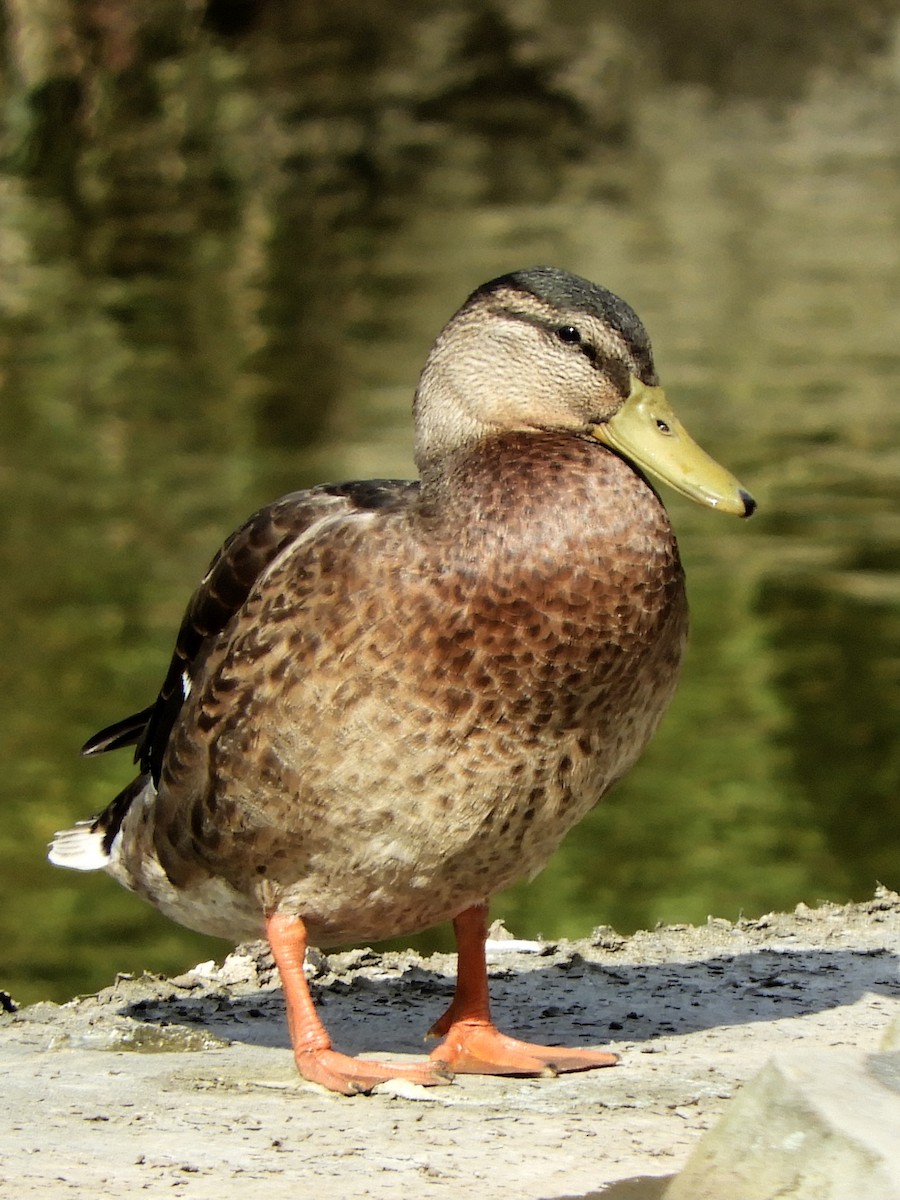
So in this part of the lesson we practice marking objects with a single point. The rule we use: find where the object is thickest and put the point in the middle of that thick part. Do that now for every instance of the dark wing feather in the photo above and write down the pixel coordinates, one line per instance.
(232, 574)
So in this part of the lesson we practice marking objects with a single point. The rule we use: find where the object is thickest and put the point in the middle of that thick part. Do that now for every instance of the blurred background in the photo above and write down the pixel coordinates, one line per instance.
(229, 231)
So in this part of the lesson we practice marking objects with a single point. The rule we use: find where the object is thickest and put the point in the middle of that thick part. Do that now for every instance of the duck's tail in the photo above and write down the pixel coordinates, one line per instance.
(80, 848)
(88, 845)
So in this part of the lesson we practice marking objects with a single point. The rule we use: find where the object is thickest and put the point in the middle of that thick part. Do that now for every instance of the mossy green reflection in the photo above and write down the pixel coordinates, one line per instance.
(248, 219)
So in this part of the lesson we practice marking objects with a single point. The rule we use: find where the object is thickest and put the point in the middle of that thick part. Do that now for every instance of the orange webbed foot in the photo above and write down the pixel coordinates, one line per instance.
(316, 1061)
(478, 1048)
(472, 1043)
(355, 1076)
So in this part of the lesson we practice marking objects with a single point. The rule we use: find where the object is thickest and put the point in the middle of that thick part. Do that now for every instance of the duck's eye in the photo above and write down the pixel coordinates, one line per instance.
(662, 426)
(569, 334)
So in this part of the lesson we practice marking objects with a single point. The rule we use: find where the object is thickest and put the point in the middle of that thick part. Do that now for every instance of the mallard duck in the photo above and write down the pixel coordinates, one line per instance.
(389, 700)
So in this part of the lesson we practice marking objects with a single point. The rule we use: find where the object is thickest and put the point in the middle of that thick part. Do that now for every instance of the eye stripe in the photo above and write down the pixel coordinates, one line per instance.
(605, 360)
(571, 336)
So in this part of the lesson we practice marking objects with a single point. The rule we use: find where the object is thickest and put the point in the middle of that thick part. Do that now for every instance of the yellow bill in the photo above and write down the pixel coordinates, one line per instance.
(646, 431)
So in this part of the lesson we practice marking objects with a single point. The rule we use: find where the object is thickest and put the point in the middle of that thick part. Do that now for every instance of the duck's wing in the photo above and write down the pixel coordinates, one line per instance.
(232, 574)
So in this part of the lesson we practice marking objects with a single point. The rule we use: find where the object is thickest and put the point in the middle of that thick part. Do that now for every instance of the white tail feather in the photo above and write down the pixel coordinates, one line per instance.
(80, 848)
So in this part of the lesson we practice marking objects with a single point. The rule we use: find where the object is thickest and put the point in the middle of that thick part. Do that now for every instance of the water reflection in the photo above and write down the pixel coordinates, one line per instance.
(220, 284)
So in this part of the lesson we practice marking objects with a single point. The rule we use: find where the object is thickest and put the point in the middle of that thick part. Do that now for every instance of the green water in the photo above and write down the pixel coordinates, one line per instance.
(224, 250)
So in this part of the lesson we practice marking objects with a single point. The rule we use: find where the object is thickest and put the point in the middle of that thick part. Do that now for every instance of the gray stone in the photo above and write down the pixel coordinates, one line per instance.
(891, 1039)
(812, 1125)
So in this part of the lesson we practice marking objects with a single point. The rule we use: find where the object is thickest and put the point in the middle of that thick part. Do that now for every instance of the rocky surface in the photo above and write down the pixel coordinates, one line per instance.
(188, 1083)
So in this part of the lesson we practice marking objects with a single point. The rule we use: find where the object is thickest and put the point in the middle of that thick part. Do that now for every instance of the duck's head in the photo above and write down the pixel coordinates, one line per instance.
(543, 350)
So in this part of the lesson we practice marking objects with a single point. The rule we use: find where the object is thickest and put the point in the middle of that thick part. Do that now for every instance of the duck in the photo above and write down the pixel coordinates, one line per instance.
(389, 700)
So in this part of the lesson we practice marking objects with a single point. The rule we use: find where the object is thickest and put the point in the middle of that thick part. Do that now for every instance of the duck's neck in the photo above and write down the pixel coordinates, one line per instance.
(546, 494)
(466, 400)
(560, 541)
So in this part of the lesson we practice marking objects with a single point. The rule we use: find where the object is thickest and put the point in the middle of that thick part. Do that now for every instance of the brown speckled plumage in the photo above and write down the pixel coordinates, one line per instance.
(388, 701)
(452, 690)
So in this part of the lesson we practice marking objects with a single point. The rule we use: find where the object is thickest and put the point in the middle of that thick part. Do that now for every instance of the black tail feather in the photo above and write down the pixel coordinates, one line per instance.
(126, 732)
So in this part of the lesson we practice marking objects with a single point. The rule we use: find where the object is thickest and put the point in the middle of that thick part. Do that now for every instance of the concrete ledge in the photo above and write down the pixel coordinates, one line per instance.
(188, 1083)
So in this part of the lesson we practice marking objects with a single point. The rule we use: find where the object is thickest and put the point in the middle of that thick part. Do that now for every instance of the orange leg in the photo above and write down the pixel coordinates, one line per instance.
(316, 1061)
(471, 1040)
